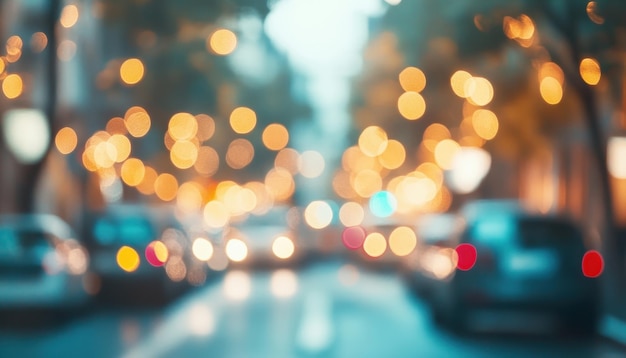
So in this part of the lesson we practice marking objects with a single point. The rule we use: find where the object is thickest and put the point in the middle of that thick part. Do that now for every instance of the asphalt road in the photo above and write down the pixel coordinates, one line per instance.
(325, 310)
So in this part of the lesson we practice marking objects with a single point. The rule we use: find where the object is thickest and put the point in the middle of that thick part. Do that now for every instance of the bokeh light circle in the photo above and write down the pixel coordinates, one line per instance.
(466, 256)
(156, 253)
(383, 204)
(353, 237)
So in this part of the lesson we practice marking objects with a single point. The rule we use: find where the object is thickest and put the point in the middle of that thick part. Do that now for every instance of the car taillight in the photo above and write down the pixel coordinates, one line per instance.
(592, 264)
(466, 256)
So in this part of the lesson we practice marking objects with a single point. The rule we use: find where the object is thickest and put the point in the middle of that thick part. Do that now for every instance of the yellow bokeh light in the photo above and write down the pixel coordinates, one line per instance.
(402, 241)
(275, 136)
(283, 247)
(222, 42)
(69, 16)
(240, 153)
(367, 182)
(122, 147)
(341, 185)
(433, 134)
(590, 71)
(431, 171)
(287, 159)
(445, 152)
(127, 259)
(189, 197)
(318, 214)
(242, 120)
(88, 159)
(485, 123)
(551, 69)
(411, 105)
(202, 249)
(222, 188)
(146, 186)
(415, 190)
(14, 49)
(166, 187)
(105, 154)
(137, 121)
(66, 140)
(279, 184)
(208, 161)
(551, 90)
(236, 250)
(132, 71)
(457, 82)
(375, 245)
(206, 127)
(133, 171)
(239, 200)
(394, 155)
(182, 126)
(311, 164)
(38, 42)
(216, 214)
(373, 141)
(116, 125)
(412, 79)
(3, 66)
(12, 86)
(351, 214)
(592, 12)
(183, 154)
(479, 90)
(160, 251)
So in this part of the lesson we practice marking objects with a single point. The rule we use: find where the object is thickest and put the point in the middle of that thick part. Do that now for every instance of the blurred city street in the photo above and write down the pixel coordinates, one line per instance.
(326, 310)
(312, 178)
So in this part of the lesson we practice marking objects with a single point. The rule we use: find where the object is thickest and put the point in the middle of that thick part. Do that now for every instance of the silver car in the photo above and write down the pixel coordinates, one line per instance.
(42, 265)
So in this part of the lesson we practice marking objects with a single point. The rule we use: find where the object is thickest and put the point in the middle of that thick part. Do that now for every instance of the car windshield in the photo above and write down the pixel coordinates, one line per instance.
(492, 229)
(542, 232)
(133, 230)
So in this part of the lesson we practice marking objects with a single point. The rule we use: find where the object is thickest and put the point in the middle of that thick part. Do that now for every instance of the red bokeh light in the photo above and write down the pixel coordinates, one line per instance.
(593, 264)
(353, 237)
(151, 255)
(466, 256)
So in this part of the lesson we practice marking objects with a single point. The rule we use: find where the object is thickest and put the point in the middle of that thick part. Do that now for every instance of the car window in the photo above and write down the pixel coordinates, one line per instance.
(543, 232)
(491, 229)
(136, 230)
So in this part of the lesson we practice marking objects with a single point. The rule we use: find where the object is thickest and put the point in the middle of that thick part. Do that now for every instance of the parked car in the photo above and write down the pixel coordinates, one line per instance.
(42, 264)
(512, 262)
(431, 260)
(138, 252)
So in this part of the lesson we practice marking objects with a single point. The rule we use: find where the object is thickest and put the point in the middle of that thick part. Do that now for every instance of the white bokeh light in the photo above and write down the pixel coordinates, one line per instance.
(469, 167)
(27, 134)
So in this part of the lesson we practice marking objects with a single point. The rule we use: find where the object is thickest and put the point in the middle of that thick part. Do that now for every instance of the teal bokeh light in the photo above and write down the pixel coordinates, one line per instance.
(383, 204)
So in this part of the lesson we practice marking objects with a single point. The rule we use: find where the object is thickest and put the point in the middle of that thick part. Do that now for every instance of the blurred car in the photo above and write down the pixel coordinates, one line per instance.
(263, 240)
(513, 261)
(140, 250)
(430, 261)
(42, 265)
